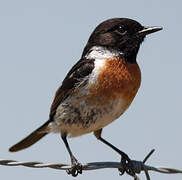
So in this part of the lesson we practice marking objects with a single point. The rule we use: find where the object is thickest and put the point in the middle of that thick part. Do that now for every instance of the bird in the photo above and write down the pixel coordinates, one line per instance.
(98, 89)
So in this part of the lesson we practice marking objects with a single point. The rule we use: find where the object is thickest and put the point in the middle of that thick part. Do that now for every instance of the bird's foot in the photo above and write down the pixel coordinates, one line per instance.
(76, 168)
(127, 166)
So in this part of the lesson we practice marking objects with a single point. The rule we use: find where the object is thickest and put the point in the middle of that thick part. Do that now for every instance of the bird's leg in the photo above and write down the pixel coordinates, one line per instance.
(125, 160)
(76, 166)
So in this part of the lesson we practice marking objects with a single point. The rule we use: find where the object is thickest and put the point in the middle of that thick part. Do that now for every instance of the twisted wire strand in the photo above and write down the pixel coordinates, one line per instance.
(138, 166)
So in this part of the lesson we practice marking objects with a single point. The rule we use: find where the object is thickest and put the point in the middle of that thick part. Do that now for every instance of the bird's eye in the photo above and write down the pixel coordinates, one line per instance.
(121, 30)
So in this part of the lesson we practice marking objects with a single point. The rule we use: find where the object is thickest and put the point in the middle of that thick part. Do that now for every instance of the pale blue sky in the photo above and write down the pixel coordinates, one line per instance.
(41, 40)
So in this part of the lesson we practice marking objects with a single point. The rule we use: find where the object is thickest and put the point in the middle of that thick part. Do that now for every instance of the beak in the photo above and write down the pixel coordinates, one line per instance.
(149, 30)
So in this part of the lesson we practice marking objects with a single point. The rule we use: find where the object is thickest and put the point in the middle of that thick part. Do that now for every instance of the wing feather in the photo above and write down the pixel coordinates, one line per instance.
(77, 74)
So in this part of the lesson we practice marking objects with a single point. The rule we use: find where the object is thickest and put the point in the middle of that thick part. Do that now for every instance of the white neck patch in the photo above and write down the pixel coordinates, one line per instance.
(98, 52)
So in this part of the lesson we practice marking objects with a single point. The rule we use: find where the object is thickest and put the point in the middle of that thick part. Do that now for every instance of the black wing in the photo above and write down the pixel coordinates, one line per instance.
(80, 70)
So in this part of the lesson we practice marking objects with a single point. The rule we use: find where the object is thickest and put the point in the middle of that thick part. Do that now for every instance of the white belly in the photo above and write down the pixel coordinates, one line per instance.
(78, 118)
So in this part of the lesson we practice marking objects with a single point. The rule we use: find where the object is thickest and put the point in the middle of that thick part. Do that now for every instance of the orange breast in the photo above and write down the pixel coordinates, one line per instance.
(117, 78)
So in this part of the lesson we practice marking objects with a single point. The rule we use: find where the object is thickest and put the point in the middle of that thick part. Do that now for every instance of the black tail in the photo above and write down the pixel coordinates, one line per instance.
(31, 139)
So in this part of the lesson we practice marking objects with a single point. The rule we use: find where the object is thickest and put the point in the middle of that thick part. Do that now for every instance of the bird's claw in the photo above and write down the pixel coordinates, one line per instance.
(75, 169)
(127, 167)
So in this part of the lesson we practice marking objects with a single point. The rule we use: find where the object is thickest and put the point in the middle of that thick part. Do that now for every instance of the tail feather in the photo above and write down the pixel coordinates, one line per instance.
(31, 139)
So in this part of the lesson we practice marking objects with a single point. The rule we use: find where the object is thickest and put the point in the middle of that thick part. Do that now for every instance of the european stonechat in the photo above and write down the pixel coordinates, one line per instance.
(99, 87)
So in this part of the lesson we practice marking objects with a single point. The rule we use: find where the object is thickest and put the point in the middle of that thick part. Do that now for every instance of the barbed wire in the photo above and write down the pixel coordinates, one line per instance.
(138, 166)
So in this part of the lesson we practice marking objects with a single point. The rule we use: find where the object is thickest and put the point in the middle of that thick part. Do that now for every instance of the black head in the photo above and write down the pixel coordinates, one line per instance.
(121, 34)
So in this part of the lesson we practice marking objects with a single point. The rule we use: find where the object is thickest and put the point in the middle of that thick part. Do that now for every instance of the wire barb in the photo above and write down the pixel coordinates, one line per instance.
(138, 166)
